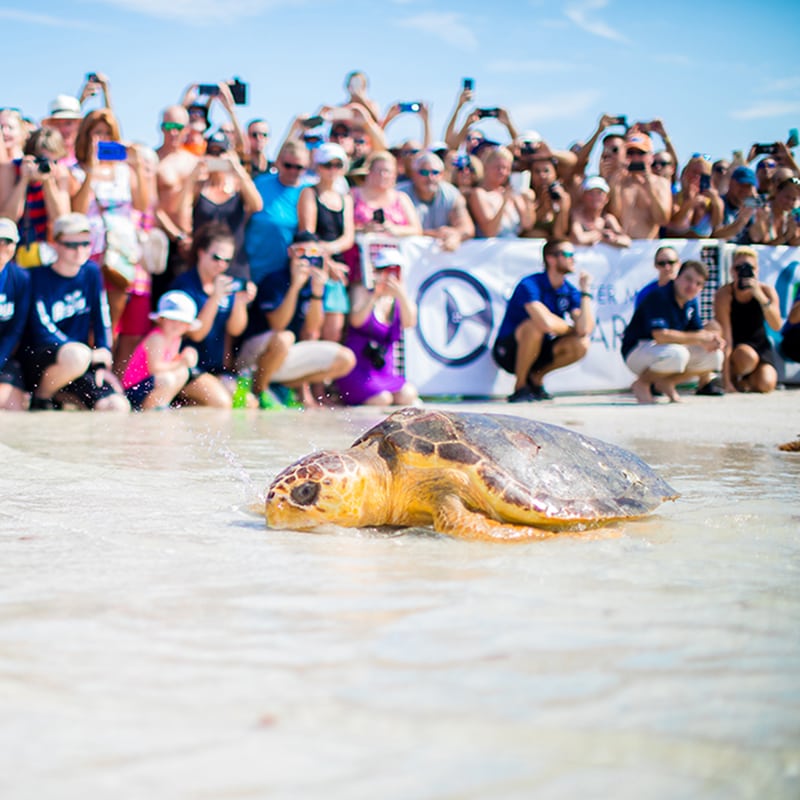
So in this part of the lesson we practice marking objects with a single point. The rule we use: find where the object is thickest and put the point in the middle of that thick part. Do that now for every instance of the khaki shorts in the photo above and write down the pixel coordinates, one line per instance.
(672, 359)
(304, 358)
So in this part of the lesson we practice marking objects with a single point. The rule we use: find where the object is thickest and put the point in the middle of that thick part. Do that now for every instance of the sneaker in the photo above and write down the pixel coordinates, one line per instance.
(523, 395)
(285, 396)
(43, 404)
(244, 386)
(268, 401)
(711, 389)
(539, 392)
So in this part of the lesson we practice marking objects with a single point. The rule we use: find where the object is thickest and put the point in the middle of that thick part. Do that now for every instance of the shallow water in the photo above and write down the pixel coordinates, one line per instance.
(156, 640)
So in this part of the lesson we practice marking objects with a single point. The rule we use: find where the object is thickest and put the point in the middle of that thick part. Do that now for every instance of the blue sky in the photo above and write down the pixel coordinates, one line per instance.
(720, 75)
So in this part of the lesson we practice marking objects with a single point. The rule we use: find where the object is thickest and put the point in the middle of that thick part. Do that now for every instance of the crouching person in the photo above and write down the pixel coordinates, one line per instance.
(665, 343)
(158, 368)
(67, 344)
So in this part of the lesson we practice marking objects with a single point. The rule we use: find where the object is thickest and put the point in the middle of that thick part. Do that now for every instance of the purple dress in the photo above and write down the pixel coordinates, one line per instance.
(372, 344)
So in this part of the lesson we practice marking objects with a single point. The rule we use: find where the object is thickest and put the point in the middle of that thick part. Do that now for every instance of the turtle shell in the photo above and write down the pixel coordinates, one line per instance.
(524, 470)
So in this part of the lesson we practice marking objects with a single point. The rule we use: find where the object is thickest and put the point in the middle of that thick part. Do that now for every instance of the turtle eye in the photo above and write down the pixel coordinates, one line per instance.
(305, 494)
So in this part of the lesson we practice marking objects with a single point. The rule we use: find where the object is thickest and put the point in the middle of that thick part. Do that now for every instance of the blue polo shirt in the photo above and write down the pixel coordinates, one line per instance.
(660, 311)
(537, 288)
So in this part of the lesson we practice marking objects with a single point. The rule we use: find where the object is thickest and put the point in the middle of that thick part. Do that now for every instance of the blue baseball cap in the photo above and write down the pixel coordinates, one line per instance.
(744, 175)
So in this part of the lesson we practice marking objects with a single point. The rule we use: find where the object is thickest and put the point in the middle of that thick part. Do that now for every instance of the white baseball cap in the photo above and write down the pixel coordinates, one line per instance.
(595, 182)
(8, 230)
(178, 306)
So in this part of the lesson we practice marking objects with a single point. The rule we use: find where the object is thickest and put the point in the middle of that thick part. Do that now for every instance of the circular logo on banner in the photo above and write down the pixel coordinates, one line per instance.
(455, 317)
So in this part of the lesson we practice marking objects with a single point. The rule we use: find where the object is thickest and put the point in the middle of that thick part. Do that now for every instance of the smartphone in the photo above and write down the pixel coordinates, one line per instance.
(490, 113)
(413, 107)
(378, 216)
(620, 120)
(520, 181)
(111, 151)
(766, 149)
(794, 138)
(552, 190)
(217, 164)
(753, 202)
(636, 166)
(705, 183)
(91, 77)
(314, 261)
(238, 92)
(469, 84)
(208, 89)
(237, 285)
(312, 122)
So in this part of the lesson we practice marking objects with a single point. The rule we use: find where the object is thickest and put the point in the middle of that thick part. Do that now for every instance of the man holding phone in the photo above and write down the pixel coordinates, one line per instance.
(739, 207)
(640, 199)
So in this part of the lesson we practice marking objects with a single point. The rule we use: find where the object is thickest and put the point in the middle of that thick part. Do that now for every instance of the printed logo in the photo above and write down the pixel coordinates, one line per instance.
(455, 317)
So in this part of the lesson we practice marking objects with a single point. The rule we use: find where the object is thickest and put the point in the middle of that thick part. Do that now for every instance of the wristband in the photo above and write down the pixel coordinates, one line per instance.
(317, 297)
(587, 294)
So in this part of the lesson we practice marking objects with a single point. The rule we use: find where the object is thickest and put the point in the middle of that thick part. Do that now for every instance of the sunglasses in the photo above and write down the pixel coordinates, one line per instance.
(259, 134)
(409, 152)
(218, 257)
(285, 165)
(666, 262)
(737, 267)
(74, 245)
(662, 163)
(332, 165)
(565, 253)
(172, 126)
(339, 134)
(767, 164)
(720, 170)
(426, 173)
(6, 242)
(359, 141)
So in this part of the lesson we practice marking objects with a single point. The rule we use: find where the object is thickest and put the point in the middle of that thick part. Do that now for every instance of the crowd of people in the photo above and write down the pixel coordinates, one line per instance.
(203, 272)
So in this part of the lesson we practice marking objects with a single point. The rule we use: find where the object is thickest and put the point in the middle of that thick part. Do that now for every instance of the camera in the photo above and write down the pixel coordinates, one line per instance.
(552, 190)
(744, 271)
(375, 353)
(312, 122)
(238, 92)
(414, 107)
(43, 164)
(636, 166)
(766, 149)
(488, 113)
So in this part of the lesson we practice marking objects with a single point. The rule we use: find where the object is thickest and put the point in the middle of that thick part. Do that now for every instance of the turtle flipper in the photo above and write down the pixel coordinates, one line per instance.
(453, 518)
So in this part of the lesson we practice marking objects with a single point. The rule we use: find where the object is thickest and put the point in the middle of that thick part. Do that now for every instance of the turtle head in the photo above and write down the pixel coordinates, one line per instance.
(326, 487)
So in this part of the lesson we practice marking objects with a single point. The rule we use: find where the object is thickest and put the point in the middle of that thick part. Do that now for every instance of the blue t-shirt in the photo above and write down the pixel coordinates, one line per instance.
(68, 309)
(271, 293)
(15, 300)
(211, 350)
(660, 311)
(537, 288)
(270, 231)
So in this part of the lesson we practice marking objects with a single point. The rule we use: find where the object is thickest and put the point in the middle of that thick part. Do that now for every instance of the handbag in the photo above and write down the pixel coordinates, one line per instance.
(123, 251)
(154, 245)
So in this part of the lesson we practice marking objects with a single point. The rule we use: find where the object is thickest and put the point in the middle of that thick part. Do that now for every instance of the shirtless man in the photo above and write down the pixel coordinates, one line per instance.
(176, 164)
(640, 200)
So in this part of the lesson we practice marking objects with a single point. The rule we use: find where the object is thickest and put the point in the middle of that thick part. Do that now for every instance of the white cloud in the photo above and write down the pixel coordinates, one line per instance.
(783, 84)
(581, 15)
(776, 108)
(530, 65)
(200, 12)
(446, 26)
(560, 106)
(47, 19)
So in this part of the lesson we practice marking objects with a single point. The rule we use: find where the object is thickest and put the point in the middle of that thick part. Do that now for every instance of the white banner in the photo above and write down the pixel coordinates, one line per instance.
(462, 298)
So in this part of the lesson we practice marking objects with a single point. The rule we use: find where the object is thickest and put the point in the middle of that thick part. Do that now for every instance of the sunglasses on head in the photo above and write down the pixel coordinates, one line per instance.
(704, 156)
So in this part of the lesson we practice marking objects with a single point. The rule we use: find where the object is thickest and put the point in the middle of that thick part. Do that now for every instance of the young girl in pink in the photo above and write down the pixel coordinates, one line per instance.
(158, 368)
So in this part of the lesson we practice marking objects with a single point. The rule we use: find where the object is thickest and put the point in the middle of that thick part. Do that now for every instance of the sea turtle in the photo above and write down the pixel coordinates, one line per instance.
(474, 476)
